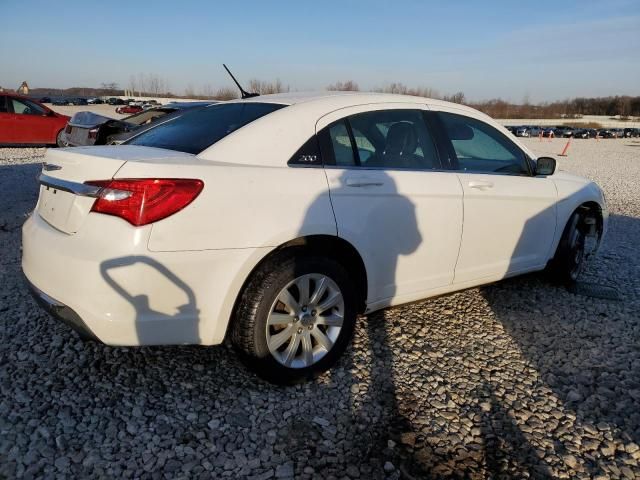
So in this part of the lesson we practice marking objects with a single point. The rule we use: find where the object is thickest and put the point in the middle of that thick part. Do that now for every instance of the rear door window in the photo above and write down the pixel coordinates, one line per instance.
(394, 139)
(195, 131)
(3, 104)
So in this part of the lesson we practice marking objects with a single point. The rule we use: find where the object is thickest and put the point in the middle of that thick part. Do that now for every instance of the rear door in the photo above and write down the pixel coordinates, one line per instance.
(509, 214)
(391, 199)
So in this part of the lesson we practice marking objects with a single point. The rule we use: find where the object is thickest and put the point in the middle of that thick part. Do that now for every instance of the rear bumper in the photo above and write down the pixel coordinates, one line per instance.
(60, 311)
(104, 280)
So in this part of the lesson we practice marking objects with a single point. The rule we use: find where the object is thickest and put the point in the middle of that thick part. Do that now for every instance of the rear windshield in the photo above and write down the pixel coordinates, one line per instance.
(195, 131)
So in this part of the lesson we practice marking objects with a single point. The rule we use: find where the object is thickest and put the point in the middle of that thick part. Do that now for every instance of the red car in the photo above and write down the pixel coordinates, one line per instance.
(25, 121)
(129, 109)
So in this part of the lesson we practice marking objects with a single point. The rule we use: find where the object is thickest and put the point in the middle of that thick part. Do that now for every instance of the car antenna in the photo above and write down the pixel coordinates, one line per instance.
(243, 92)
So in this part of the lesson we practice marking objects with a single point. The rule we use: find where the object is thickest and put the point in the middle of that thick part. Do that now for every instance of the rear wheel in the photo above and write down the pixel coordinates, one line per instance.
(295, 318)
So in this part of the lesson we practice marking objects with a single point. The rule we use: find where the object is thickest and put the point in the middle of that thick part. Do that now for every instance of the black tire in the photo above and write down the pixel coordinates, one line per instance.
(569, 259)
(60, 142)
(248, 330)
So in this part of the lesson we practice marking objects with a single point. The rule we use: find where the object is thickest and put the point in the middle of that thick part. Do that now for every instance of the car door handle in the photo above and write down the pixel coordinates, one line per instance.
(355, 182)
(481, 185)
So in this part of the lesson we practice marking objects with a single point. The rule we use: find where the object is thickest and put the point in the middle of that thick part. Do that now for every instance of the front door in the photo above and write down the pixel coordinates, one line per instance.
(509, 215)
(391, 202)
(30, 121)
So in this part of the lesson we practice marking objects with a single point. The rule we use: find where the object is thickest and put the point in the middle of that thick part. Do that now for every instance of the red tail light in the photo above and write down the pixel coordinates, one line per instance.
(145, 200)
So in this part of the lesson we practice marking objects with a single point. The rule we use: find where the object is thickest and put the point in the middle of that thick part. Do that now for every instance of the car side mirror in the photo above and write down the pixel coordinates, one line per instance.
(545, 166)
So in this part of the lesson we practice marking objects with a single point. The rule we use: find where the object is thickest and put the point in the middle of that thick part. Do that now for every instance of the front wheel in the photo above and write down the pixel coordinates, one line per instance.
(295, 318)
(60, 140)
(570, 257)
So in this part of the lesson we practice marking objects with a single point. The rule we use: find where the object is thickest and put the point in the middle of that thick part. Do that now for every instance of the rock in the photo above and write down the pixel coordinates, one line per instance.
(284, 470)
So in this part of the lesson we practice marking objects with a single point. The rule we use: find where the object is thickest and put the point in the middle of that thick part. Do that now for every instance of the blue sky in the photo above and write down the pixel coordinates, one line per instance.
(545, 50)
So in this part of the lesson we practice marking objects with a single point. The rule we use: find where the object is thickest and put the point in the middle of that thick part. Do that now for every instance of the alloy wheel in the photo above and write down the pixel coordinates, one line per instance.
(305, 320)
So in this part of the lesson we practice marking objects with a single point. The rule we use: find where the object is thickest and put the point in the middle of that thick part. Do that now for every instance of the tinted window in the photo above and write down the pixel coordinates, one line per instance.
(25, 107)
(394, 139)
(3, 104)
(196, 130)
(481, 148)
(335, 145)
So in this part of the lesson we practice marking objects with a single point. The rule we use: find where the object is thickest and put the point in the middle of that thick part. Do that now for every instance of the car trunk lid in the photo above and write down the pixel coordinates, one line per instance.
(65, 200)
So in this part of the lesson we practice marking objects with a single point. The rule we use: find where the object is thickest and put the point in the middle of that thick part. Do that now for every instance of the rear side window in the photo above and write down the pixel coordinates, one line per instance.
(197, 130)
(3, 104)
(481, 148)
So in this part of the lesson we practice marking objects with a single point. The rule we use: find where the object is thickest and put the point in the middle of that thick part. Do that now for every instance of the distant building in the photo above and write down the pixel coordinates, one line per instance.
(23, 89)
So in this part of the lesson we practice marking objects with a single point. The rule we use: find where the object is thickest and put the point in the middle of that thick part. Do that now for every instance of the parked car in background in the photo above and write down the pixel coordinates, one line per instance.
(274, 221)
(617, 132)
(95, 101)
(585, 133)
(78, 101)
(523, 132)
(632, 132)
(129, 109)
(606, 133)
(535, 131)
(27, 122)
(88, 128)
(60, 102)
(45, 100)
(549, 132)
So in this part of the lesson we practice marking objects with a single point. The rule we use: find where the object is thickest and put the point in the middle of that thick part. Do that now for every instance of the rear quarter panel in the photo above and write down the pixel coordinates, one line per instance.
(241, 206)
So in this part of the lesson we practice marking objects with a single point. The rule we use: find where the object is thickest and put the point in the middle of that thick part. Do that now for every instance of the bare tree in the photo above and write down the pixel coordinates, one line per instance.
(348, 86)
(226, 93)
(457, 97)
(154, 83)
(189, 91)
(266, 88)
(132, 83)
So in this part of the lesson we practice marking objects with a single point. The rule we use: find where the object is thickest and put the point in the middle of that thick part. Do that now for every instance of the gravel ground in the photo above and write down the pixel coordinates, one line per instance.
(514, 380)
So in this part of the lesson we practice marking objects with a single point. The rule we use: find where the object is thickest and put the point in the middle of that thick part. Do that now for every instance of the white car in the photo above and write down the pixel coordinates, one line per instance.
(276, 220)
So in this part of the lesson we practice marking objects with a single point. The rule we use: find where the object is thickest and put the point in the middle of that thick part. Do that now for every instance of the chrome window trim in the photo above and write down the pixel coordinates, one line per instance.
(71, 187)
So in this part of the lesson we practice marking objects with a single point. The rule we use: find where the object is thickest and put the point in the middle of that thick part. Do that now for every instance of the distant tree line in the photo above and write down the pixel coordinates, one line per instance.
(153, 85)
(625, 106)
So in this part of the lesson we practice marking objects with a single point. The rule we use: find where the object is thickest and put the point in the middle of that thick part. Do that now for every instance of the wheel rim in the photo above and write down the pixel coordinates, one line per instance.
(305, 321)
(60, 140)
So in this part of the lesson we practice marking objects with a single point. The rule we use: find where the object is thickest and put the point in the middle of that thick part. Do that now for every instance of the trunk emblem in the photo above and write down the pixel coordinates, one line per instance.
(49, 167)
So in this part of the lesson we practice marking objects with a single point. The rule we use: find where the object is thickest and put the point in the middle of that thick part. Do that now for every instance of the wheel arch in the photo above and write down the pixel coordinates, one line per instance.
(587, 206)
(324, 245)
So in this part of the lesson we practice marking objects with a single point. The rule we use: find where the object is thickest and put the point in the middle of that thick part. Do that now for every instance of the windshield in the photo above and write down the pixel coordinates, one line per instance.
(195, 131)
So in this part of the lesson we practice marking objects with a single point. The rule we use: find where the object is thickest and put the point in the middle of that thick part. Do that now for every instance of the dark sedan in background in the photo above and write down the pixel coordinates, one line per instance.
(88, 128)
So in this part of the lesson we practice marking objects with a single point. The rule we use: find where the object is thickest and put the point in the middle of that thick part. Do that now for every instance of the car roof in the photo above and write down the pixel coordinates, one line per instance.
(333, 100)
(300, 120)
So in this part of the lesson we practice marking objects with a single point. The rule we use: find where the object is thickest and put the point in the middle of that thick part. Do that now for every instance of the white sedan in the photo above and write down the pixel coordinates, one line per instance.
(276, 220)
